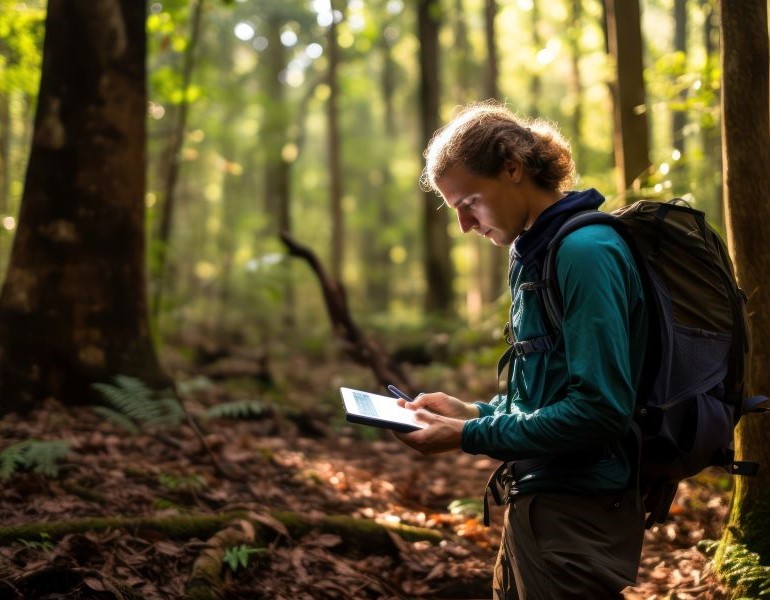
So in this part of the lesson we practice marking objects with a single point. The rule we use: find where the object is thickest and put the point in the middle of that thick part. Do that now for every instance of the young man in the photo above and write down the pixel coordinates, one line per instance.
(574, 526)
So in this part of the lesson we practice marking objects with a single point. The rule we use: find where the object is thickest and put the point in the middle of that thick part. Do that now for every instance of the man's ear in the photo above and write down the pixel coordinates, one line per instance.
(514, 170)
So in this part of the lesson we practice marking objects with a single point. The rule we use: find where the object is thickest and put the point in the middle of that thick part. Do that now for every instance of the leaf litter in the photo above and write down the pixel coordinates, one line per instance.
(341, 471)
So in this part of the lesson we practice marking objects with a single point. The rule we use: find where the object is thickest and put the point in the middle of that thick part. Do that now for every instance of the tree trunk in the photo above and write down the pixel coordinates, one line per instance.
(436, 244)
(535, 83)
(173, 158)
(710, 135)
(576, 88)
(679, 116)
(493, 277)
(73, 309)
(333, 148)
(746, 156)
(5, 151)
(631, 136)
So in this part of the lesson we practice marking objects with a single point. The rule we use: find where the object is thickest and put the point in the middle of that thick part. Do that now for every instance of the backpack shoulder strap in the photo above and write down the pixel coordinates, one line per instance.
(552, 299)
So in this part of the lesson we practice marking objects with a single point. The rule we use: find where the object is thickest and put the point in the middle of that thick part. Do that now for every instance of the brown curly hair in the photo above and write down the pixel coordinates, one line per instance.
(484, 135)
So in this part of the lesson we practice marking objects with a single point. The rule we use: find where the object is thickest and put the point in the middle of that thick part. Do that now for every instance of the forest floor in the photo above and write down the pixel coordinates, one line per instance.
(311, 464)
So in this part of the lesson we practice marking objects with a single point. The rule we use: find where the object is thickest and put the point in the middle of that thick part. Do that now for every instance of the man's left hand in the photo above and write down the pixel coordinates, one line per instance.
(441, 435)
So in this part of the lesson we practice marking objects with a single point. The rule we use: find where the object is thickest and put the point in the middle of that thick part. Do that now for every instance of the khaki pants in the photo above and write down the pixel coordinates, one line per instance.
(562, 546)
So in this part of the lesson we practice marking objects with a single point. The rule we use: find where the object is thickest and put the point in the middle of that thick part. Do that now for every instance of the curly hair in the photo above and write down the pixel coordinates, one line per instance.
(486, 135)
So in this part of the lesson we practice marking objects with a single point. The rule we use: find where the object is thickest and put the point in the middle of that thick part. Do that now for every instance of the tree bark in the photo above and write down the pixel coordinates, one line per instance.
(436, 245)
(73, 309)
(746, 156)
(631, 136)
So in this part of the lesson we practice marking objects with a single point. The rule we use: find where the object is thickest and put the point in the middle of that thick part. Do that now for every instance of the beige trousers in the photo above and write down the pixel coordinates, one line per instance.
(563, 546)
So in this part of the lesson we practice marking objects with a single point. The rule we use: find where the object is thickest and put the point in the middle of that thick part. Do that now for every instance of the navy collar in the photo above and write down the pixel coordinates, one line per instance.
(530, 246)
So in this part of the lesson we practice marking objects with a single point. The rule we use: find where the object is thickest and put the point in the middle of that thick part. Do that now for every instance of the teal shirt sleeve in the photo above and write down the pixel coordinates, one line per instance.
(599, 283)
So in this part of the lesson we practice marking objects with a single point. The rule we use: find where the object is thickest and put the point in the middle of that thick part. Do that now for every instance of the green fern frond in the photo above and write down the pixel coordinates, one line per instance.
(36, 455)
(742, 570)
(239, 409)
(117, 418)
(139, 404)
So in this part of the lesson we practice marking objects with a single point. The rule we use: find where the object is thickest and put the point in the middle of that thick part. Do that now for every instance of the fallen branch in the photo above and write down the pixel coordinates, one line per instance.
(362, 350)
(358, 535)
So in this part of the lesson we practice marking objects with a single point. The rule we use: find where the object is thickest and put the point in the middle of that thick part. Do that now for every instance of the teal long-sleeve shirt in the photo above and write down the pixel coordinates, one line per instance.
(580, 395)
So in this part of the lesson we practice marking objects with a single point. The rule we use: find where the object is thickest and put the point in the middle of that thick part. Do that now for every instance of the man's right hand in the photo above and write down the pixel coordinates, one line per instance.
(442, 404)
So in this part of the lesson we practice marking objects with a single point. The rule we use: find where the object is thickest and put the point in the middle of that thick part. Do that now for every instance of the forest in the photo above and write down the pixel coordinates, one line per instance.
(211, 219)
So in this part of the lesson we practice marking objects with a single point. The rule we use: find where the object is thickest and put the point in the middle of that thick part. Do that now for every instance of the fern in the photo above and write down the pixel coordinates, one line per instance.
(132, 404)
(39, 456)
(238, 556)
(741, 569)
(240, 409)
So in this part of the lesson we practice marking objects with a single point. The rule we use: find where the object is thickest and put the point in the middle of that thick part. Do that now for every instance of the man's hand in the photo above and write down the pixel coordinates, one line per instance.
(445, 416)
(441, 435)
(441, 404)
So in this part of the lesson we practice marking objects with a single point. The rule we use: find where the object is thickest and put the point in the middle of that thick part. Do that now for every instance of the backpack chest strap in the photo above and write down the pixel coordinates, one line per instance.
(521, 348)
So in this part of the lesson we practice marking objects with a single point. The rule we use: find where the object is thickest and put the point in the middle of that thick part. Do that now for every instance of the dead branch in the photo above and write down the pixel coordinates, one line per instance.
(358, 347)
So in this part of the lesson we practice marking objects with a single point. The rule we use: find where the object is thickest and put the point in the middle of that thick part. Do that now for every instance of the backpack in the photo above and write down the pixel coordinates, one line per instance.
(692, 392)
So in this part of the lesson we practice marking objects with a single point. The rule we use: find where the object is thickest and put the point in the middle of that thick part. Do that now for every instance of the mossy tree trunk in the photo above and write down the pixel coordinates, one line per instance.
(746, 156)
(73, 308)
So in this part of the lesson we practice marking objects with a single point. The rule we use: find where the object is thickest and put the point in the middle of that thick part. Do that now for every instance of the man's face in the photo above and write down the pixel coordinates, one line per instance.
(489, 205)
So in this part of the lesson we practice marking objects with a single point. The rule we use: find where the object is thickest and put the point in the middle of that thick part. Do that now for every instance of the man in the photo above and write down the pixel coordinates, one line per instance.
(574, 525)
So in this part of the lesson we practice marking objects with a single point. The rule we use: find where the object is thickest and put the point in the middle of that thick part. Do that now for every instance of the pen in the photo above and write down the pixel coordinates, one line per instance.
(397, 392)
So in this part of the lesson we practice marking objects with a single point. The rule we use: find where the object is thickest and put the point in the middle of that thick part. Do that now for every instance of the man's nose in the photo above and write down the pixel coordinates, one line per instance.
(467, 222)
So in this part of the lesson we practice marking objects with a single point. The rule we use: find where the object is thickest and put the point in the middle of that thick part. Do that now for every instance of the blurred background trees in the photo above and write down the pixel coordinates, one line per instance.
(310, 116)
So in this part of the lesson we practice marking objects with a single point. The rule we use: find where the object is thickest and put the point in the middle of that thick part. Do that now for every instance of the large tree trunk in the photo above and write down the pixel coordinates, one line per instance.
(436, 245)
(746, 156)
(73, 309)
(631, 137)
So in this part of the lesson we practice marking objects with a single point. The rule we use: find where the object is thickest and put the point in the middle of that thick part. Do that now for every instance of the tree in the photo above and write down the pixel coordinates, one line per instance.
(73, 307)
(333, 147)
(746, 154)
(173, 158)
(436, 246)
(679, 116)
(631, 137)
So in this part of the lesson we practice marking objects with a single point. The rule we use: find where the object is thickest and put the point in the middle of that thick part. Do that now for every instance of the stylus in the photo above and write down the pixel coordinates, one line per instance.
(397, 392)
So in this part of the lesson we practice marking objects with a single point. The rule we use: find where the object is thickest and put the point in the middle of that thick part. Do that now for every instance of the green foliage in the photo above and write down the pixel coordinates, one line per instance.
(239, 409)
(238, 556)
(741, 569)
(182, 483)
(21, 43)
(133, 404)
(45, 544)
(470, 507)
(38, 456)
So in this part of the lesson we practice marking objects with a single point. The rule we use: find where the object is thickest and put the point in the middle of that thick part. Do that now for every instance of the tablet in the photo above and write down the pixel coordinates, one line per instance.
(366, 408)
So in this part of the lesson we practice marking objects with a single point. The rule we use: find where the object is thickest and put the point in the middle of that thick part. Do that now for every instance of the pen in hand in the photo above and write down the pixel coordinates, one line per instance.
(397, 392)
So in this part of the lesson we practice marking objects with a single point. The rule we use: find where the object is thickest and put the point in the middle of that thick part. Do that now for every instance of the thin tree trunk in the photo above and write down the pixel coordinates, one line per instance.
(73, 308)
(5, 151)
(173, 157)
(631, 135)
(493, 278)
(333, 149)
(710, 136)
(679, 116)
(535, 83)
(746, 156)
(436, 244)
(576, 87)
